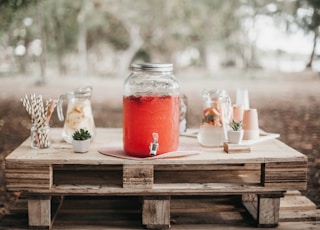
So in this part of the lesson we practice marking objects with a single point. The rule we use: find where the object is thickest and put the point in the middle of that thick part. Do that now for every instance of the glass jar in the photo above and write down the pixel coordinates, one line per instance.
(216, 117)
(40, 136)
(151, 107)
(79, 112)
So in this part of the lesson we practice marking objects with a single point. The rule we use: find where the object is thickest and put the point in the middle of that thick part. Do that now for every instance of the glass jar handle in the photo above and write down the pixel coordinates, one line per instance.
(59, 107)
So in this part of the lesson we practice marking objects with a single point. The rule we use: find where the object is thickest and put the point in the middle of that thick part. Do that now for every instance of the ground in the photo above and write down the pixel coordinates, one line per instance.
(287, 104)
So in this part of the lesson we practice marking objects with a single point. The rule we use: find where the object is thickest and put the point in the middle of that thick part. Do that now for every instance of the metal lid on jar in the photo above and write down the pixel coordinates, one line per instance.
(82, 92)
(157, 67)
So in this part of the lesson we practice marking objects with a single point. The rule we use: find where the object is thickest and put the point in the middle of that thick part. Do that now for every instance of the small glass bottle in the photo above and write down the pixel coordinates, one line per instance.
(151, 107)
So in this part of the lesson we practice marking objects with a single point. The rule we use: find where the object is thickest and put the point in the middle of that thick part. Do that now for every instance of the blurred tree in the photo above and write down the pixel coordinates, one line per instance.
(11, 11)
(295, 15)
(42, 58)
(14, 18)
(163, 31)
(159, 29)
(61, 29)
(12, 30)
(308, 18)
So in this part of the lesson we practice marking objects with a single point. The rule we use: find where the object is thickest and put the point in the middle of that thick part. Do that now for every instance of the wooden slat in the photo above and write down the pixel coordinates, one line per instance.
(288, 175)
(27, 181)
(283, 165)
(156, 212)
(295, 203)
(287, 186)
(137, 176)
(268, 211)
(159, 189)
(25, 177)
(35, 175)
(27, 187)
(39, 212)
(29, 167)
(207, 167)
(199, 176)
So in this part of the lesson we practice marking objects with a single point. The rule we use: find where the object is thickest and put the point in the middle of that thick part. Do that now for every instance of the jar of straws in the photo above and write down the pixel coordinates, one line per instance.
(40, 113)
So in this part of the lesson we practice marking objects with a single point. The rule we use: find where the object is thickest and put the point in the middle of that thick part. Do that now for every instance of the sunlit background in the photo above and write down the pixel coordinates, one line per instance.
(103, 37)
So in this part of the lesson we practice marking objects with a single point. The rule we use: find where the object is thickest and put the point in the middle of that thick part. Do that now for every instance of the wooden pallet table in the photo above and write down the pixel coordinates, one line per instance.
(261, 177)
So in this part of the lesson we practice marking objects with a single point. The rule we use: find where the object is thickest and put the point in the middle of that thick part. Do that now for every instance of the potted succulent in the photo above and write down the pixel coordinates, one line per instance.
(235, 134)
(81, 141)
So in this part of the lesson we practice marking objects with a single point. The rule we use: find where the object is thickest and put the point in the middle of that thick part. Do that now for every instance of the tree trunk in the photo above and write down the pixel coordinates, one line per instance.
(82, 39)
(58, 38)
(42, 58)
(125, 57)
(309, 65)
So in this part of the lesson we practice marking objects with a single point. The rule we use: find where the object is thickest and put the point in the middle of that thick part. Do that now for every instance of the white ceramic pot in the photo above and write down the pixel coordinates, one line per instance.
(81, 146)
(235, 137)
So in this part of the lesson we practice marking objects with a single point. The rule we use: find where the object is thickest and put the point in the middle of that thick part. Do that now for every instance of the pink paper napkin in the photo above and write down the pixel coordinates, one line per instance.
(116, 150)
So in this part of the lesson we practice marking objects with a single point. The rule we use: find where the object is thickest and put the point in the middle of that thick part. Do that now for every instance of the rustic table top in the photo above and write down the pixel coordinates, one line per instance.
(61, 152)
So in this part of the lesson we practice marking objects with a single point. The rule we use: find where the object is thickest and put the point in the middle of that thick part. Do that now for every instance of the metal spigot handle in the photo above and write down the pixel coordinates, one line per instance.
(154, 145)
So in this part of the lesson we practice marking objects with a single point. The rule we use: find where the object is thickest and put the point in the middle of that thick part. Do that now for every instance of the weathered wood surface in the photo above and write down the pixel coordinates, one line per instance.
(156, 212)
(39, 211)
(62, 153)
(267, 172)
(277, 166)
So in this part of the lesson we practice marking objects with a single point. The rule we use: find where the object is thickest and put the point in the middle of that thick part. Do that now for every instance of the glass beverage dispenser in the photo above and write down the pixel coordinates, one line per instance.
(151, 106)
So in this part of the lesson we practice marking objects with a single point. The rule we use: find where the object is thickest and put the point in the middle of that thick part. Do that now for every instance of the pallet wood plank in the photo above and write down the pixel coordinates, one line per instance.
(288, 175)
(268, 211)
(39, 212)
(208, 167)
(137, 176)
(296, 202)
(24, 177)
(156, 212)
(159, 189)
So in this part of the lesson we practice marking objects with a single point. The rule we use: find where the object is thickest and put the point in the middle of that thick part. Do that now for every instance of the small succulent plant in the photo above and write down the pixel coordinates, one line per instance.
(235, 125)
(81, 135)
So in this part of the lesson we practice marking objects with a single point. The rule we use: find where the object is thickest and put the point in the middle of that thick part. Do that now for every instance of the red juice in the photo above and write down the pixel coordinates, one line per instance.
(144, 115)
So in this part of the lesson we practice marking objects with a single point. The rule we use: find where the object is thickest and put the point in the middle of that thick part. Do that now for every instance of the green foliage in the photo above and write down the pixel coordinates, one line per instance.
(12, 11)
(81, 135)
(309, 17)
(107, 28)
(236, 126)
(166, 28)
